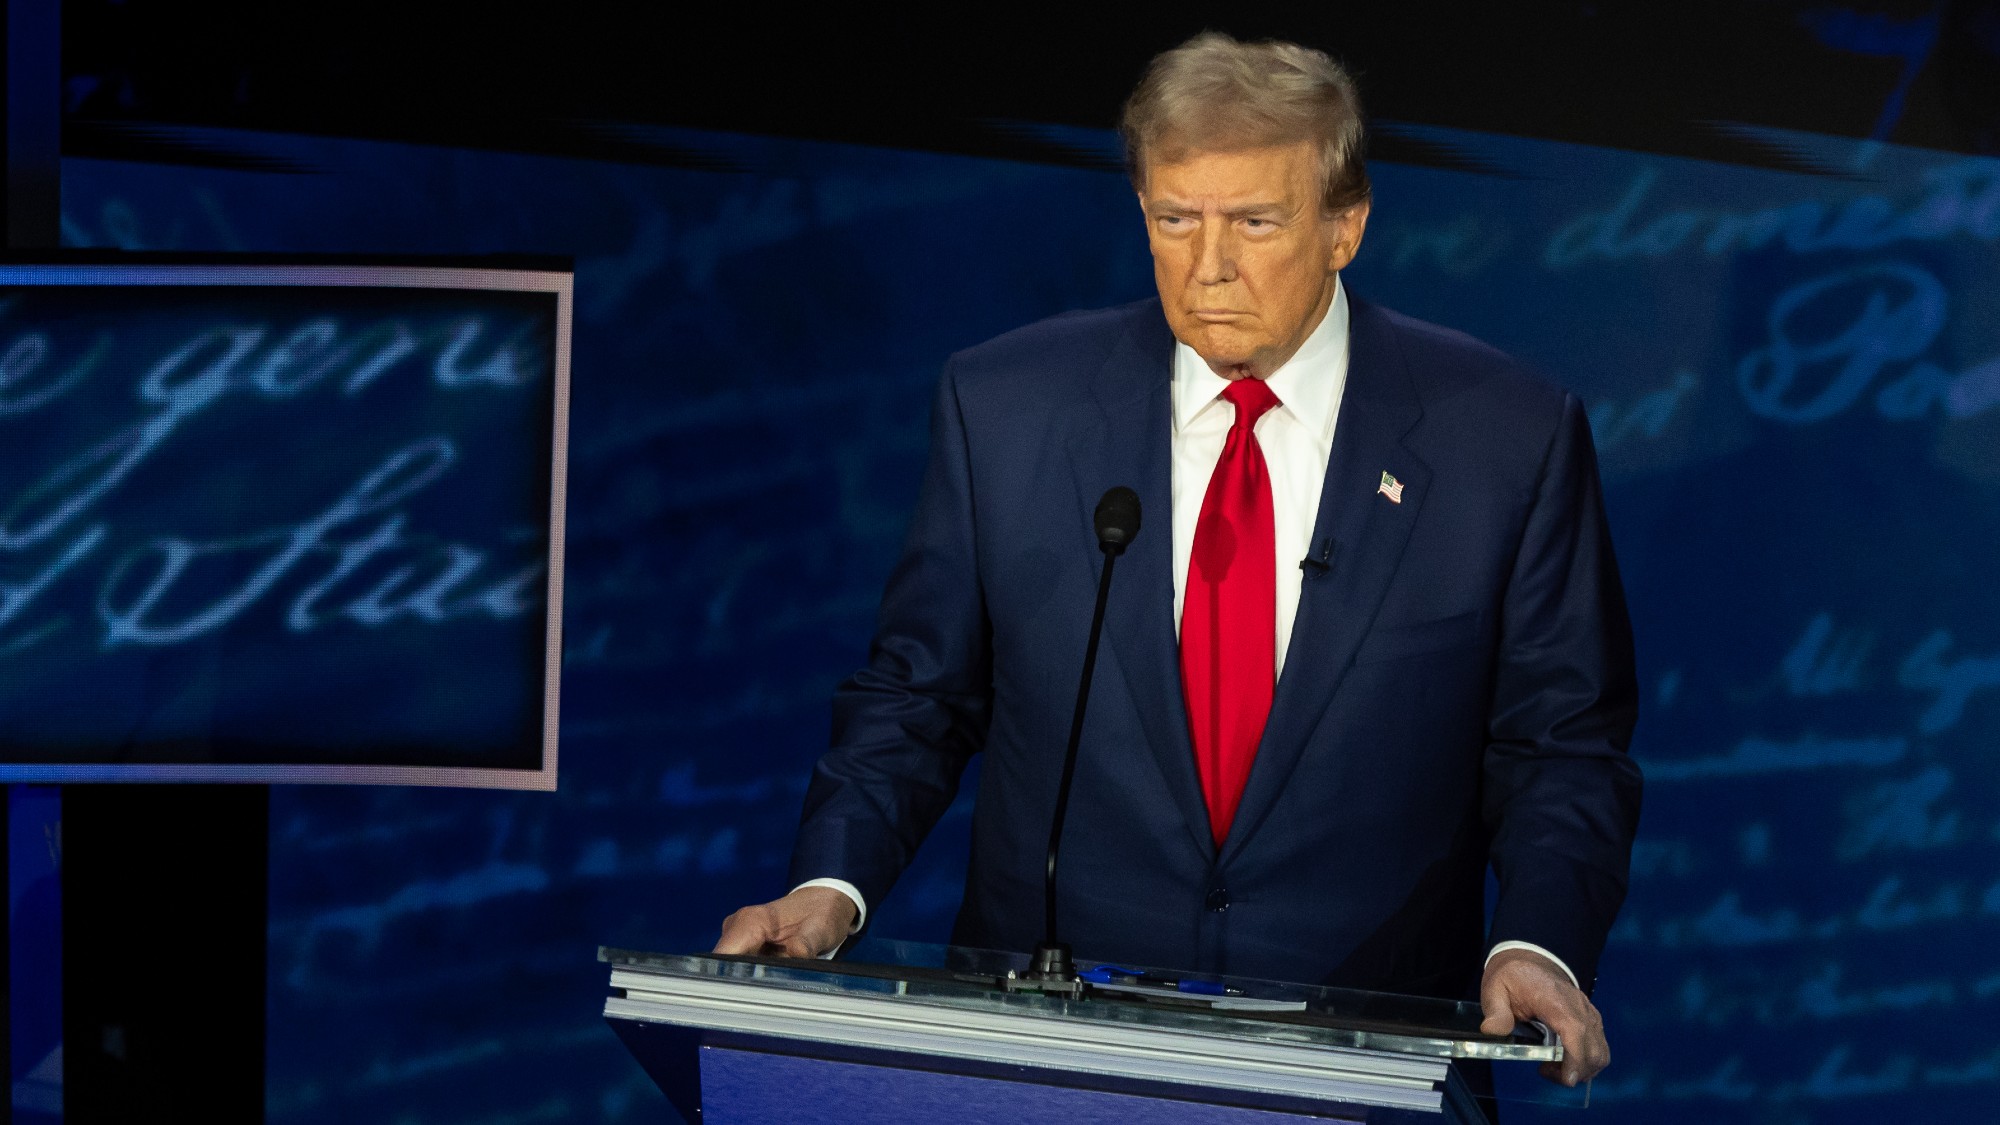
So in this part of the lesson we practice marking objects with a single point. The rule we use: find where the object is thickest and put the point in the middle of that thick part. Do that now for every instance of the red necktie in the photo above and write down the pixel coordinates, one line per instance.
(1229, 617)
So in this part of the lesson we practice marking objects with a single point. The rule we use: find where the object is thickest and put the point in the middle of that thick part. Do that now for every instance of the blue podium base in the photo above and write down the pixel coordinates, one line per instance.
(741, 1087)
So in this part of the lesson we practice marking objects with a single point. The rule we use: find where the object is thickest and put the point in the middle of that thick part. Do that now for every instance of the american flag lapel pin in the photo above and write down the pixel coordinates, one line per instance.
(1392, 488)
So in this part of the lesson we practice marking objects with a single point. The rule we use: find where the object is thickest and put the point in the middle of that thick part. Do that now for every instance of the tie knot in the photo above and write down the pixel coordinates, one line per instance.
(1251, 398)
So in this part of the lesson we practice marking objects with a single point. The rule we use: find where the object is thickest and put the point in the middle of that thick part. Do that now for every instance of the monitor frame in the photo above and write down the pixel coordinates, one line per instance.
(222, 272)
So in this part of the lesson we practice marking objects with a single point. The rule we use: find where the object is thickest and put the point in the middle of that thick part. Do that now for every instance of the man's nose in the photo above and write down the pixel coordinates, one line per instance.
(1215, 259)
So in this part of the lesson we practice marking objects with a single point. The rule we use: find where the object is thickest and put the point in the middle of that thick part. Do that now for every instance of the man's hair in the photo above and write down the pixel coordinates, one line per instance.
(1215, 93)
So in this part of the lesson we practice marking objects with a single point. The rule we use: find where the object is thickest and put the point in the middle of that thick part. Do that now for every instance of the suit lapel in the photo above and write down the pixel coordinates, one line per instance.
(1367, 532)
(1128, 439)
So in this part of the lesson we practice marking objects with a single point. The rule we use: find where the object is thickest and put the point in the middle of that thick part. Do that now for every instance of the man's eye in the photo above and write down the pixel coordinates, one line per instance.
(1259, 224)
(1175, 222)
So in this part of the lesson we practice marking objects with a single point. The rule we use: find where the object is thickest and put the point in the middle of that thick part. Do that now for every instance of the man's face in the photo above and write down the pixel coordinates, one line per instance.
(1243, 253)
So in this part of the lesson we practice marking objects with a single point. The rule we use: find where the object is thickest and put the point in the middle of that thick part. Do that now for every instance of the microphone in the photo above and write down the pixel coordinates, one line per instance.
(1117, 523)
(1318, 563)
(1117, 520)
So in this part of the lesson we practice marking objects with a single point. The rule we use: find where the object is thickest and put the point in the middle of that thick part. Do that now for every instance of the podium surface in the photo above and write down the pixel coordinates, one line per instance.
(930, 1033)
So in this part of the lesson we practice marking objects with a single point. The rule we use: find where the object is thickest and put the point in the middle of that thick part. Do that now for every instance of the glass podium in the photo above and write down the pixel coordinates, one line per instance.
(899, 1032)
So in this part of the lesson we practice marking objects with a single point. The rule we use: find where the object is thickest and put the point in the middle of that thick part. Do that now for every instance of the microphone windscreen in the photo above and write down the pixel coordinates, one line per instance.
(1118, 517)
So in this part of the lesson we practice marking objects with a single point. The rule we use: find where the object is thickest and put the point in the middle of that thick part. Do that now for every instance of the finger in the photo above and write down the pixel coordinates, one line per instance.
(1561, 1017)
(745, 931)
(1572, 1067)
(1595, 1054)
(1599, 1059)
(1585, 1052)
(1575, 1044)
(1498, 1005)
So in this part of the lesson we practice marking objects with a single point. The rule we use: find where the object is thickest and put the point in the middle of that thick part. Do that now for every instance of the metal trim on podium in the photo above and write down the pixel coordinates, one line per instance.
(676, 1013)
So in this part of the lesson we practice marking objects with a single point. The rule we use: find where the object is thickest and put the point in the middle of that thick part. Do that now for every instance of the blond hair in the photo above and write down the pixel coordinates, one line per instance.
(1215, 93)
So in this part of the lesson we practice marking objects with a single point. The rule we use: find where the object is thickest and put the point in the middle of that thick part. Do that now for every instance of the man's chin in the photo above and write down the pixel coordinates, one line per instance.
(1220, 349)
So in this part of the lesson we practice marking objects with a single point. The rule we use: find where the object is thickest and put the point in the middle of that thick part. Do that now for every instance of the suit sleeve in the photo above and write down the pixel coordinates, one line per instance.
(905, 726)
(1561, 793)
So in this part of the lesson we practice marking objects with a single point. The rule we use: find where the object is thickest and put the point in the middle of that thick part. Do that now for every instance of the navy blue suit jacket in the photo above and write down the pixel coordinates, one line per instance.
(1459, 685)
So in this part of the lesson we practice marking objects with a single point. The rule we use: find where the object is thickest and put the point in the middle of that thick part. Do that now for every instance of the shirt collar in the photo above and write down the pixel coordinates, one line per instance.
(1308, 384)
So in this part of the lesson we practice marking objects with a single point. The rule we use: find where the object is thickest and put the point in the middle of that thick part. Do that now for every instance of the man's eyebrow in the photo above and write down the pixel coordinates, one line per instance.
(1241, 210)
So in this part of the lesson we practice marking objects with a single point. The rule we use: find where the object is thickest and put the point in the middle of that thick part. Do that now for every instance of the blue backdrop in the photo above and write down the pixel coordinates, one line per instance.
(1793, 379)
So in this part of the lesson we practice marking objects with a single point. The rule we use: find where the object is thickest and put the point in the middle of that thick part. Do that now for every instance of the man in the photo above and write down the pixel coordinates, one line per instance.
(1371, 638)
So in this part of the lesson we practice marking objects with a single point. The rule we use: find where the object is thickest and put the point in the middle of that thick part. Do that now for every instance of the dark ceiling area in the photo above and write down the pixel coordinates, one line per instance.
(1647, 76)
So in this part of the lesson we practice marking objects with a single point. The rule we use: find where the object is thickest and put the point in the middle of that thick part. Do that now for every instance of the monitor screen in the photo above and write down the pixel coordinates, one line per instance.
(281, 523)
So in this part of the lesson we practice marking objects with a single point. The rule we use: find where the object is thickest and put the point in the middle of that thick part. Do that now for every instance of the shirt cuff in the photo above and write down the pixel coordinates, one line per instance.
(1530, 947)
(861, 907)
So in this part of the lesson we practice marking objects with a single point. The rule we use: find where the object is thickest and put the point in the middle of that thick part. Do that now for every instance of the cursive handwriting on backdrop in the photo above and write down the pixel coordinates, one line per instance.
(352, 555)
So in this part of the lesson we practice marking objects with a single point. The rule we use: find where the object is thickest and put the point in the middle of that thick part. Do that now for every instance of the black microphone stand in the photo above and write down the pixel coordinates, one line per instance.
(1052, 970)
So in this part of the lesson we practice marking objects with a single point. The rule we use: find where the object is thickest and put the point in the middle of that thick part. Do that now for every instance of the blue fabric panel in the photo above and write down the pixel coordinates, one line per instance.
(752, 1087)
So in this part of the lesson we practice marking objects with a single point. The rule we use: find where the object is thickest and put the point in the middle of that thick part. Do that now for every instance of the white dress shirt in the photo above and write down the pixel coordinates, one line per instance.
(1296, 437)
(1297, 440)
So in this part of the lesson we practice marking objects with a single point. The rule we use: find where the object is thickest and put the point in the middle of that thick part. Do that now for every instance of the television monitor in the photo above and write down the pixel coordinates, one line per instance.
(281, 522)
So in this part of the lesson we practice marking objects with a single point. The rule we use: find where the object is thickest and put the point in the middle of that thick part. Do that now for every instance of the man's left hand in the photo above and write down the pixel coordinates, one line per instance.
(1522, 985)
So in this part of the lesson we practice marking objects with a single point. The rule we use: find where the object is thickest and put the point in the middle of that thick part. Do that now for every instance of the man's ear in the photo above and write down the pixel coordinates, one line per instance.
(1349, 226)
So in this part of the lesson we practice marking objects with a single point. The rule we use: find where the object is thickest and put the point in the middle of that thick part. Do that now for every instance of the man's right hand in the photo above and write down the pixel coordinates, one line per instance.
(809, 922)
